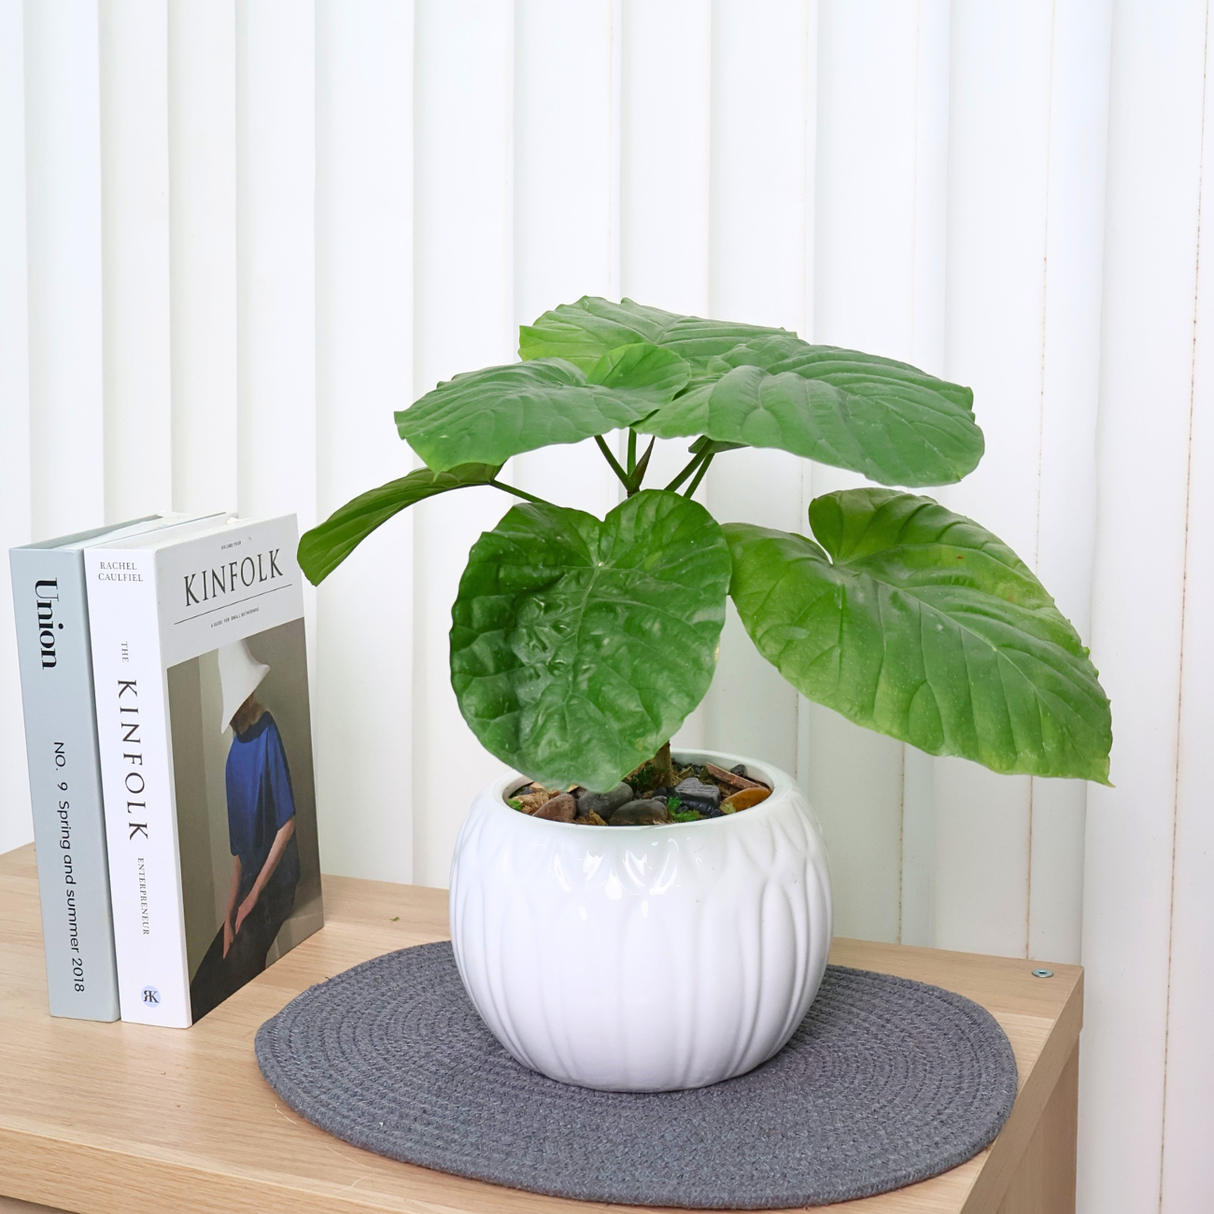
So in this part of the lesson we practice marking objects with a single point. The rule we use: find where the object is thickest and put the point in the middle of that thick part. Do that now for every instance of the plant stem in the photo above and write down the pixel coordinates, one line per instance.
(638, 473)
(687, 471)
(632, 452)
(611, 459)
(699, 476)
(530, 497)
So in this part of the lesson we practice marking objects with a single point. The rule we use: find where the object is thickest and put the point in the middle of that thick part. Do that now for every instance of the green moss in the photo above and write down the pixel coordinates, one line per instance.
(643, 779)
(684, 815)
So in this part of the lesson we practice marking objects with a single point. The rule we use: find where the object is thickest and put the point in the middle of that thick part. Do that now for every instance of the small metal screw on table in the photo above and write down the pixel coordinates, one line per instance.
(1043, 973)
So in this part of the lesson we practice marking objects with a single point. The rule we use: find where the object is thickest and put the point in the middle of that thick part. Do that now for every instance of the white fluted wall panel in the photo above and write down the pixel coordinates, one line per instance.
(134, 49)
(364, 370)
(1148, 401)
(16, 464)
(235, 235)
(63, 260)
(202, 253)
(463, 241)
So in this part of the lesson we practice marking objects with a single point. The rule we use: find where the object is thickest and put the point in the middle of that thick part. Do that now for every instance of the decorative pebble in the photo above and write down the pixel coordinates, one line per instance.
(605, 803)
(744, 799)
(695, 793)
(561, 808)
(646, 812)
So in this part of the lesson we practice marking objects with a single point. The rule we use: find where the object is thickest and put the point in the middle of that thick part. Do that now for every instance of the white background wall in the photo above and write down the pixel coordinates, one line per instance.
(235, 236)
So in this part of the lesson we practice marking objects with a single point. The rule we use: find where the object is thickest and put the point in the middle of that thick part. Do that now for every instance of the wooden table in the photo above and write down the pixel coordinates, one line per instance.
(102, 1118)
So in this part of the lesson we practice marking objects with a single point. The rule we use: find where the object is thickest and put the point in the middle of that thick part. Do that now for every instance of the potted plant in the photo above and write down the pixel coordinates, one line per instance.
(684, 943)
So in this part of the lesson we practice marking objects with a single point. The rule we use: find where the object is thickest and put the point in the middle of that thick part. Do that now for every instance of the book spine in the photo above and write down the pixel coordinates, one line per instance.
(65, 782)
(136, 770)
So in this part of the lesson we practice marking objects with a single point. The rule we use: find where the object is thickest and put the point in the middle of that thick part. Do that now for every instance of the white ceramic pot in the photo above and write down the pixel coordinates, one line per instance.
(643, 958)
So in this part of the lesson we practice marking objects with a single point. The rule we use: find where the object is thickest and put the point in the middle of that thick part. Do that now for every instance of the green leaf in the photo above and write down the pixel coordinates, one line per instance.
(649, 371)
(762, 387)
(489, 415)
(583, 332)
(323, 548)
(893, 423)
(578, 646)
(918, 623)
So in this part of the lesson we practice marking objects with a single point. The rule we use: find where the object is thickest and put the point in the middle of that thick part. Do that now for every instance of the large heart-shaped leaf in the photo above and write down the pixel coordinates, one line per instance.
(489, 415)
(578, 646)
(919, 623)
(891, 422)
(324, 547)
(583, 332)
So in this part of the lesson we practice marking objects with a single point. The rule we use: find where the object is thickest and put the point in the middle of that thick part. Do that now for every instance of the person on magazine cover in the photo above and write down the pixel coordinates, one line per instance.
(261, 830)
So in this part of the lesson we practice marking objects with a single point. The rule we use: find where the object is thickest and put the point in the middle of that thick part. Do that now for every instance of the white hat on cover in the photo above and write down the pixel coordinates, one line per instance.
(239, 674)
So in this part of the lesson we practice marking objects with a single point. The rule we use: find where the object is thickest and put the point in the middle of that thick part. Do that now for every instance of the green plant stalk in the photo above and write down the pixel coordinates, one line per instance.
(632, 452)
(611, 459)
(699, 476)
(530, 497)
(689, 468)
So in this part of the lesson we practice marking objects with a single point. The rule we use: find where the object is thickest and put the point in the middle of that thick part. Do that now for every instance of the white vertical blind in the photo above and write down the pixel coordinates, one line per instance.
(463, 249)
(1070, 386)
(760, 257)
(202, 253)
(1188, 1179)
(16, 468)
(1133, 1069)
(995, 284)
(566, 191)
(364, 370)
(276, 257)
(865, 298)
(134, 48)
(235, 236)
(63, 252)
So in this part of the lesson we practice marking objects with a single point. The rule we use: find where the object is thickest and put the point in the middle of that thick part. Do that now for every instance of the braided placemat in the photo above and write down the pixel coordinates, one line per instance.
(885, 1082)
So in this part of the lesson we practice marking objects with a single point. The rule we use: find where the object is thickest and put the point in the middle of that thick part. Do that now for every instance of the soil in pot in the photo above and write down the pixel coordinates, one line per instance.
(660, 791)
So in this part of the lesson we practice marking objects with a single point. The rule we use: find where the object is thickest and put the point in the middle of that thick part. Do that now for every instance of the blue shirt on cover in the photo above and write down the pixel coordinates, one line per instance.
(260, 803)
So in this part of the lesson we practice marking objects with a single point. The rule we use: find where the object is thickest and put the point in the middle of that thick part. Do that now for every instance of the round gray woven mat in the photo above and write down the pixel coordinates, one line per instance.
(886, 1082)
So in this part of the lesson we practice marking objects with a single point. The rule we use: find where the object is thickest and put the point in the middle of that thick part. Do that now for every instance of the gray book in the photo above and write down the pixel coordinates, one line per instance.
(55, 661)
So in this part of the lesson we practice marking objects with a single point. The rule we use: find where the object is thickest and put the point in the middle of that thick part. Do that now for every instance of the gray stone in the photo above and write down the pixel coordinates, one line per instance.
(695, 792)
(640, 813)
(604, 803)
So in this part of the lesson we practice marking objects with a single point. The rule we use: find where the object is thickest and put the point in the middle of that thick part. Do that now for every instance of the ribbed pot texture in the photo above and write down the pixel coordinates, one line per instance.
(643, 958)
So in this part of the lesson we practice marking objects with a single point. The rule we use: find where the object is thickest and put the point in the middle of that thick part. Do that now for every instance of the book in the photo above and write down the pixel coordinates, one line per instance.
(201, 685)
(55, 665)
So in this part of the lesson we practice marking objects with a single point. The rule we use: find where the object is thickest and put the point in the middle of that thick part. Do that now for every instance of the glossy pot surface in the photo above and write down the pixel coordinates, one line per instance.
(643, 958)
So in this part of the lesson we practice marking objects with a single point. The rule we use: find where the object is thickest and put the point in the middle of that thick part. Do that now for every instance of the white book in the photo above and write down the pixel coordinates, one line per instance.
(204, 731)
(53, 653)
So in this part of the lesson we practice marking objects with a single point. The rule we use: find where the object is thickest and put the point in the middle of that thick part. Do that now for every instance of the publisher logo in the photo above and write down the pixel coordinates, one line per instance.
(151, 996)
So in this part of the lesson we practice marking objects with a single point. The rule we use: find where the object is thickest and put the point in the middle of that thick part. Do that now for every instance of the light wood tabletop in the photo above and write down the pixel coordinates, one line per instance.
(105, 1118)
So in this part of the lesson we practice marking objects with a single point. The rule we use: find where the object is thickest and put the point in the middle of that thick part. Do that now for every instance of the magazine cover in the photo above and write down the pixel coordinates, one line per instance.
(246, 808)
(201, 680)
